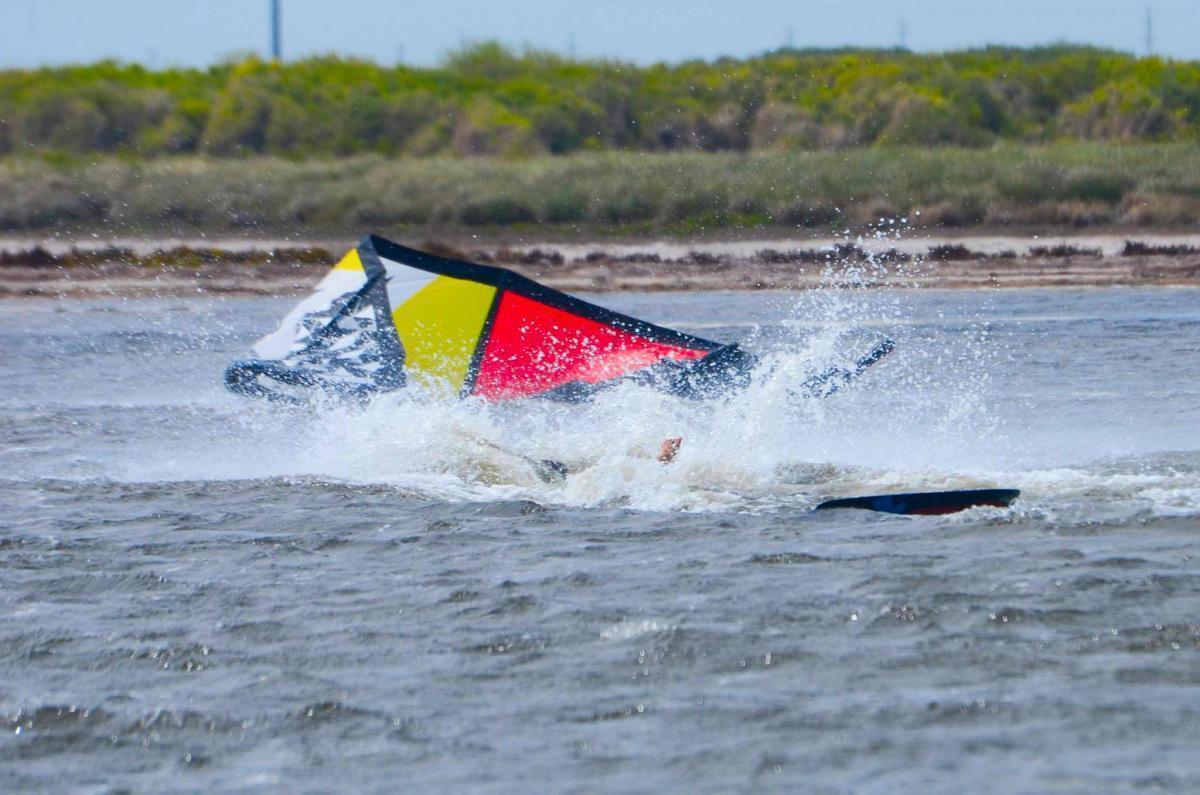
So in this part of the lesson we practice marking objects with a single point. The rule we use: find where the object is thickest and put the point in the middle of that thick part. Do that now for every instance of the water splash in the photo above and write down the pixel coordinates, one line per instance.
(901, 423)
(980, 391)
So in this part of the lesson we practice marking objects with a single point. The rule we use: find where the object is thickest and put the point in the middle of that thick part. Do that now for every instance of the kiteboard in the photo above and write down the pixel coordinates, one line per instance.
(929, 503)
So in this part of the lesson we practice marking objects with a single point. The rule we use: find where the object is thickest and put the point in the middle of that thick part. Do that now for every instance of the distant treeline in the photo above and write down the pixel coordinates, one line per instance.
(486, 100)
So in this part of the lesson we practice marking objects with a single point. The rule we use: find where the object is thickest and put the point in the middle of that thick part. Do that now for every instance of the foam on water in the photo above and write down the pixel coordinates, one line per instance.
(740, 452)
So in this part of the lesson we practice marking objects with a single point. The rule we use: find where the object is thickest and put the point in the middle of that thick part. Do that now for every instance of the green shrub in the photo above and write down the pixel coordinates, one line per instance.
(496, 211)
(1098, 186)
(563, 207)
(810, 215)
(1124, 110)
(627, 208)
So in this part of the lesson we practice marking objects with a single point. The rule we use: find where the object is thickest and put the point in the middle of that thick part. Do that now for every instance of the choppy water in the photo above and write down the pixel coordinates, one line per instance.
(198, 592)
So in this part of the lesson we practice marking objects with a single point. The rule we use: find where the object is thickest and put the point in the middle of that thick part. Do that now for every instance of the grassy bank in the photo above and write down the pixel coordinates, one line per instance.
(1077, 185)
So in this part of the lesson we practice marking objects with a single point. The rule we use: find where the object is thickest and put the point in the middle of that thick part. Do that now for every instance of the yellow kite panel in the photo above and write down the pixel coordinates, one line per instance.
(439, 327)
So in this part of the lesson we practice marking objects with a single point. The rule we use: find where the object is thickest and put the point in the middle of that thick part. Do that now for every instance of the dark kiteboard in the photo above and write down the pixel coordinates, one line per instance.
(929, 503)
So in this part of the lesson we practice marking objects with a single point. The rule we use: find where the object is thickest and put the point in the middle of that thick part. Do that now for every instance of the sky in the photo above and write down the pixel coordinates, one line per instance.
(200, 32)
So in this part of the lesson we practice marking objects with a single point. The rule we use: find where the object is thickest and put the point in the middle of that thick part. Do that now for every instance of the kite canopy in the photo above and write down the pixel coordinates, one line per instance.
(386, 314)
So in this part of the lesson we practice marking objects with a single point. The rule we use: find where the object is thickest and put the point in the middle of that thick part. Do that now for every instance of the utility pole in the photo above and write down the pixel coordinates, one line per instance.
(276, 37)
(1149, 32)
(571, 47)
(903, 33)
(791, 39)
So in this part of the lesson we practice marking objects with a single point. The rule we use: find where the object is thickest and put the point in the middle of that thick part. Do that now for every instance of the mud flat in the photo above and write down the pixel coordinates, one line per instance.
(144, 267)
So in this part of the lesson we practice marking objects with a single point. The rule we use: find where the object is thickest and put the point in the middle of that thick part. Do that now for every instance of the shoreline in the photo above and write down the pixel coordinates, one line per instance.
(147, 267)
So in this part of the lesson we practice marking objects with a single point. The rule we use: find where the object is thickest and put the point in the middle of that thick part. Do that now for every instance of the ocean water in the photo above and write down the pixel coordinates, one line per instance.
(200, 592)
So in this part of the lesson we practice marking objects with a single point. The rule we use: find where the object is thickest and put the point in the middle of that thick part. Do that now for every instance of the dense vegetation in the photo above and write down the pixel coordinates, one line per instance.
(486, 100)
(1072, 185)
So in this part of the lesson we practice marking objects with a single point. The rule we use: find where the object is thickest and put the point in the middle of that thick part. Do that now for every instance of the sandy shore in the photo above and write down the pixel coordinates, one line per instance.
(95, 268)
